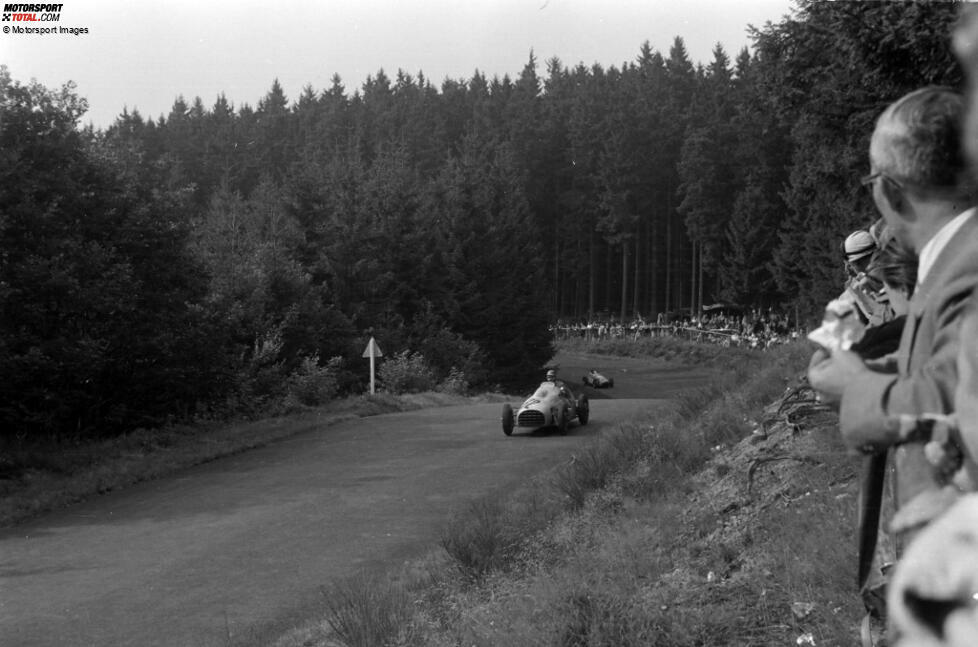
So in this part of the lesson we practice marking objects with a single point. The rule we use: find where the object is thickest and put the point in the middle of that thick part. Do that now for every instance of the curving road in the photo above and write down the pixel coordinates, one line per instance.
(238, 549)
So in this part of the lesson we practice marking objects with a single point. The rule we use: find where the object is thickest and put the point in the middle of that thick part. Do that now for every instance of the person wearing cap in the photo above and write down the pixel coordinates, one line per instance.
(858, 249)
(864, 291)
(922, 187)
(894, 266)
(885, 286)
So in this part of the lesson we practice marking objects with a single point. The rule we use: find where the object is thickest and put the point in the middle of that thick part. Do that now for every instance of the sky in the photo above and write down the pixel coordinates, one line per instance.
(143, 54)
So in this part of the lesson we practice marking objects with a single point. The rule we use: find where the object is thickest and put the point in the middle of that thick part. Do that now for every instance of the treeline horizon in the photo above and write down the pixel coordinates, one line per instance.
(156, 268)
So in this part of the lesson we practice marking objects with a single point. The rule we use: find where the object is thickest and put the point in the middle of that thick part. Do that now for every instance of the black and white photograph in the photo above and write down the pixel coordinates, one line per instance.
(497, 323)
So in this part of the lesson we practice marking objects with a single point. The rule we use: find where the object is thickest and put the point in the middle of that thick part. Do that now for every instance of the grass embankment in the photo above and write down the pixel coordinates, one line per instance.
(668, 348)
(36, 477)
(726, 522)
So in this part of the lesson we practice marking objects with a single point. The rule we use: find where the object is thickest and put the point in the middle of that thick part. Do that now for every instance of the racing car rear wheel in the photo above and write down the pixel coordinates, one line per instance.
(507, 419)
(561, 421)
(583, 409)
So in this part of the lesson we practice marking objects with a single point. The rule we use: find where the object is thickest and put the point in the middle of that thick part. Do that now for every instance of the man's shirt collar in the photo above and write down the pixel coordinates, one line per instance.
(934, 246)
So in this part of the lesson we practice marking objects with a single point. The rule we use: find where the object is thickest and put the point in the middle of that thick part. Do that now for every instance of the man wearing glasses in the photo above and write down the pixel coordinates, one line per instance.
(922, 187)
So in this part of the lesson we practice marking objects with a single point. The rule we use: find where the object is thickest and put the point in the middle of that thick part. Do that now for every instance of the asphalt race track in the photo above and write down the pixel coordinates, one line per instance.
(238, 549)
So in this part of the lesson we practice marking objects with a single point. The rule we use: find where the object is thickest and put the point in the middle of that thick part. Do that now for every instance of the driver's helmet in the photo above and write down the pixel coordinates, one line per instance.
(551, 375)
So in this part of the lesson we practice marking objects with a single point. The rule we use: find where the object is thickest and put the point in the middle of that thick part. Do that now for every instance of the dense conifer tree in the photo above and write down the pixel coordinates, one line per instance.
(466, 216)
(101, 324)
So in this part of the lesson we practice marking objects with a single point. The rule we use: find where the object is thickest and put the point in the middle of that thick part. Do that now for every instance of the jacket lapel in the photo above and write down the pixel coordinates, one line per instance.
(962, 243)
(907, 341)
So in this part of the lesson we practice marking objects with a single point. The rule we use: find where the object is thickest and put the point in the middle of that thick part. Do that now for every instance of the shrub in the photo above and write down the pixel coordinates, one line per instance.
(456, 383)
(367, 611)
(604, 618)
(445, 349)
(269, 383)
(407, 372)
(479, 540)
(594, 467)
(262, 376)
(312, 385)
(490, 533)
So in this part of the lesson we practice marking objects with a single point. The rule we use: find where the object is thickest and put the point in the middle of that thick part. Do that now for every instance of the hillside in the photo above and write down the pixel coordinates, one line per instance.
(648, 538)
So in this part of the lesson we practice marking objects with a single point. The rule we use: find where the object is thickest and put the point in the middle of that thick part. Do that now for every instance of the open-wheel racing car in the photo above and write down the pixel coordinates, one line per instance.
(553, 404)
(597, 380)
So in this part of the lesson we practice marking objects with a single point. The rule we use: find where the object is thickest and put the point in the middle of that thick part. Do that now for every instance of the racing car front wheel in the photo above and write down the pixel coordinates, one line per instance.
(507, 419)
(583, 410)
(561, 421)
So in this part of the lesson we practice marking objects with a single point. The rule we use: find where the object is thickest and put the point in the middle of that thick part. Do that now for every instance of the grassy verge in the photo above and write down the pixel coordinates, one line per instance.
(669, 348)
(39, 476)
(727, 522)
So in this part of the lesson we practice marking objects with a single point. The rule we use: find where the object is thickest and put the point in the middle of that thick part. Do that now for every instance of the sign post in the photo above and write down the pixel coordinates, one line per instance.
(372, 351)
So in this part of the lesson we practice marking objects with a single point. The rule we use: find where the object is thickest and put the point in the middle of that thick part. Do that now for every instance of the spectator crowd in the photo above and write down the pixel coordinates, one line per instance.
(727, 326)
(898, 357)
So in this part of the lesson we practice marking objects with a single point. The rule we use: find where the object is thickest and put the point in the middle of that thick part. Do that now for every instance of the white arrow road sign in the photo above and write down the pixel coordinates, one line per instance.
(372, 351)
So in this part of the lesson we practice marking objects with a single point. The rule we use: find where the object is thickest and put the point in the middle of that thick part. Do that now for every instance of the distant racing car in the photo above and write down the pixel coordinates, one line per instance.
(597, 380)
(553, 404)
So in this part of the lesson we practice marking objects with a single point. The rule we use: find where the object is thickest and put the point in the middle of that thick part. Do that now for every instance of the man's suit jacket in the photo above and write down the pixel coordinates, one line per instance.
(927, 366)
(966, 396)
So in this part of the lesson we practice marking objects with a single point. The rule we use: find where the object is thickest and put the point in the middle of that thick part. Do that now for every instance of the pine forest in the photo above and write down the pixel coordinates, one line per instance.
(222, 257)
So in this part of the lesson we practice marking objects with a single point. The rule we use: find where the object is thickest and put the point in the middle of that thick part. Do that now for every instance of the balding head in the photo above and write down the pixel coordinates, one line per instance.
(917, 144)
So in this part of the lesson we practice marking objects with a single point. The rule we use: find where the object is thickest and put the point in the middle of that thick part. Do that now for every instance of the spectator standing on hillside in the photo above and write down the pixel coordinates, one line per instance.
(858, 249)
(894, 267)
(940, 570)
(861, 289)
(922, 188)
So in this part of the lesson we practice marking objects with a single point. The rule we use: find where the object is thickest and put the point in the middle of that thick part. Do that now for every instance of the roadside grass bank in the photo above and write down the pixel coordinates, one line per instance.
(666, 347)
(727, 521)
(40, 476)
